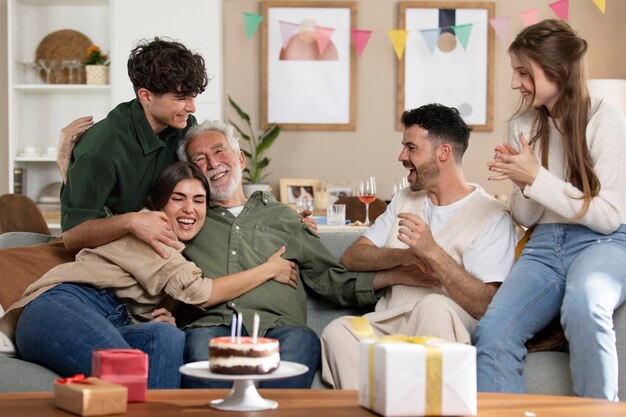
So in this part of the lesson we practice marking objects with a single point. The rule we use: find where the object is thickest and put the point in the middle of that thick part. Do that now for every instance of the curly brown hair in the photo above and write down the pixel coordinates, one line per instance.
(166, 66)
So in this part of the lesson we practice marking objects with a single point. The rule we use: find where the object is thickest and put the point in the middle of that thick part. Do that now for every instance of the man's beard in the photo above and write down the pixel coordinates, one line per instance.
(224, 191)
(424, 173)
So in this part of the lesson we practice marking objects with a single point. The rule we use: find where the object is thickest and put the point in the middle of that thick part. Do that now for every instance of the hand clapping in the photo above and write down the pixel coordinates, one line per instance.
(521, 167)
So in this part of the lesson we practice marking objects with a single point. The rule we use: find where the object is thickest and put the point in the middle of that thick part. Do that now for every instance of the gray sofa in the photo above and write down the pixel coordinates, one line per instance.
(546, 372)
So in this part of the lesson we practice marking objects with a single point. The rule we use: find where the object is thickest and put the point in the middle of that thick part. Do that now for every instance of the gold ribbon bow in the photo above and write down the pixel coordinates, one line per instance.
(434, 380)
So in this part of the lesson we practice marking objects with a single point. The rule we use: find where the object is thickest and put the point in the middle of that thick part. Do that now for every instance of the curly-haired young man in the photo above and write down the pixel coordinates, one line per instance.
(114, 167)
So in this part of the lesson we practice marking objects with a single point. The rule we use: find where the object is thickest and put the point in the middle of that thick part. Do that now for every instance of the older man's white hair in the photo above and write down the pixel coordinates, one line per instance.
(209, 126)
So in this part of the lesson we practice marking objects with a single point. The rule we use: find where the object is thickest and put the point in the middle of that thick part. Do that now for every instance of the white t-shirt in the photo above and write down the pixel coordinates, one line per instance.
(489, 258)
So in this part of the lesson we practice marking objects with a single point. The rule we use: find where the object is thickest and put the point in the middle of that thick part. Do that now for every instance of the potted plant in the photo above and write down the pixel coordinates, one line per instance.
(256, 161)
(96, 66)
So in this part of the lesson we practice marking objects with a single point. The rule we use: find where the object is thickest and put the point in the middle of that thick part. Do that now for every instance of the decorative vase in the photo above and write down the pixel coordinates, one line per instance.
(248, 189)
(97, 74)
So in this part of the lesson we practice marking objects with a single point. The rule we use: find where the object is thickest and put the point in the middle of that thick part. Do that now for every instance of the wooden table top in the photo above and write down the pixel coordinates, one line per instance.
(313, 403)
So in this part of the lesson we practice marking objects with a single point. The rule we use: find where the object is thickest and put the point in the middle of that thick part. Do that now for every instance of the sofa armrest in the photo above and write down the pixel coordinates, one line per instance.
(16, 239)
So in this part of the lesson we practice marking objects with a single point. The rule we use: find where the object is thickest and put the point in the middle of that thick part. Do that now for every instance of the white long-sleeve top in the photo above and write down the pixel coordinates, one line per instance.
(551, 199)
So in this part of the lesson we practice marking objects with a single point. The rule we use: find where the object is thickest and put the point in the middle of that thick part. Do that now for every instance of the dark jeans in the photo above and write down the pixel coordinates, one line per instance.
(61, 327)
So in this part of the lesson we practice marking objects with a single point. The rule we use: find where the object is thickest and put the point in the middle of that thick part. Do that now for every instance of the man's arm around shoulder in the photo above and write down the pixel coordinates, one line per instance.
(364, 255)
(150, 226)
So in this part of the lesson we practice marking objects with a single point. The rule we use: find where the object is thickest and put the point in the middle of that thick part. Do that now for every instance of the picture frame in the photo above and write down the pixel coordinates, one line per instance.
(305, 86)
(338, 189)
(292, 188)
(429, 71)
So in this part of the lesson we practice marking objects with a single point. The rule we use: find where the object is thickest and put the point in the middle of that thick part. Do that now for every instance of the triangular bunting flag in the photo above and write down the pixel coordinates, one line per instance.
(252, 22)
(430, 37)
(360, 39)
(530, 17)
(323, 37)
(560, 9)
(463, 33)
(287, 30)
(501, 26)
(601, 4)
(398, 39)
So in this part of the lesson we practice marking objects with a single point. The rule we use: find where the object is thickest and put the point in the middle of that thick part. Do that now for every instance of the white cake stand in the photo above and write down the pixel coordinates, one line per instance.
(243, 396)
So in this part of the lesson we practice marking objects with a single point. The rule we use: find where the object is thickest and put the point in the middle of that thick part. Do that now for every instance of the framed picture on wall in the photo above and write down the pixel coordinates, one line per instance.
(338, 189)
(308, 71)
(448, 59)
(292, 188)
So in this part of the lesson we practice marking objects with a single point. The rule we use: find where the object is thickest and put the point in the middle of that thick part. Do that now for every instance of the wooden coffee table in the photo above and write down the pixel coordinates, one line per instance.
(313, 403)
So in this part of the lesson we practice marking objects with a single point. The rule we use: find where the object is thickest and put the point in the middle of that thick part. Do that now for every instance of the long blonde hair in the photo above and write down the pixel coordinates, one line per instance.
(559, 51)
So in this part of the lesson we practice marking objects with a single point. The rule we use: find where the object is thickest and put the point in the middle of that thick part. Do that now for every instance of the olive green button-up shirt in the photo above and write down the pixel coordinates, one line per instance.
(115, 164)
(229, 244)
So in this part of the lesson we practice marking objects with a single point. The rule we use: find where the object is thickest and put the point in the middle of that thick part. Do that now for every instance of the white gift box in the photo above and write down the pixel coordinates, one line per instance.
(413, 379)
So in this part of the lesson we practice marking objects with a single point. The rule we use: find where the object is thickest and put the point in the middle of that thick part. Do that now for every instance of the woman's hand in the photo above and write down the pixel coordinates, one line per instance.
(284, 271)
(68, 137)
(309, 221)
(520, 167)
(163, 315)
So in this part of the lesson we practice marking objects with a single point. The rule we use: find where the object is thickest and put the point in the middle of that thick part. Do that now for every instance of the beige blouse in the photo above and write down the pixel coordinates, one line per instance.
(132, 270)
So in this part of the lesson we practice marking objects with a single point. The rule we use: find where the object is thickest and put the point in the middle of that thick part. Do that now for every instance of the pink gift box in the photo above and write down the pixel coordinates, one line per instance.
(127, 367)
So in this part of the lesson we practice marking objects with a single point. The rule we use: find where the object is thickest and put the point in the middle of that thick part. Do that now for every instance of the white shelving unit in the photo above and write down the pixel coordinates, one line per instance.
(38, 111)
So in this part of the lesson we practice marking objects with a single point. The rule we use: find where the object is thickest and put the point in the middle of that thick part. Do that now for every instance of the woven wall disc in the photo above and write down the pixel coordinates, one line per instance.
(62, 45)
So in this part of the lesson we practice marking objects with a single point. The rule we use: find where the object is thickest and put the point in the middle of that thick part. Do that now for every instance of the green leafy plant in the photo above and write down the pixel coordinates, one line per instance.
(256, 145)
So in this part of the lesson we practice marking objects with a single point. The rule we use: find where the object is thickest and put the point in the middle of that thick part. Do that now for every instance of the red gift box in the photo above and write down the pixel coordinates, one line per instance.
(127, 367)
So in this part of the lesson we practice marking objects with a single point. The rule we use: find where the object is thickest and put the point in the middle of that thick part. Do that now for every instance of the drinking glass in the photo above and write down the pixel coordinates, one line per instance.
(74, 64)
(399, 185)
(47, 65)
(304, 203)
(336, 215)
(367, 194)
(29, 67)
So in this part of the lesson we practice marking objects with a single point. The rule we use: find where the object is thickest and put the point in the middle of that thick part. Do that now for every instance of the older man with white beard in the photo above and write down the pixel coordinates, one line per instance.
(240, 233)
(454, 239)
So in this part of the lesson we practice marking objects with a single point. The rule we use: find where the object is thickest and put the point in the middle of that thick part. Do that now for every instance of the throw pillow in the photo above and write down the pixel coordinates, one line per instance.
(21, 266)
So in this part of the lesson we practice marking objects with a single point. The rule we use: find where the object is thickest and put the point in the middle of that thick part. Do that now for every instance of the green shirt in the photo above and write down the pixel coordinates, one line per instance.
(228, 244)
(115, 164)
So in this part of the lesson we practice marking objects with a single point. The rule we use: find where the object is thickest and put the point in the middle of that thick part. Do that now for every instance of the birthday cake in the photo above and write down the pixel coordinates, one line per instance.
(243, 356)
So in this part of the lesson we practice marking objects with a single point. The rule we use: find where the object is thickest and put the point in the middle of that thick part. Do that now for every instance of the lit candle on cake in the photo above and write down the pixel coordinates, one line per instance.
(233, 327)
(239, 325)
(255, 327)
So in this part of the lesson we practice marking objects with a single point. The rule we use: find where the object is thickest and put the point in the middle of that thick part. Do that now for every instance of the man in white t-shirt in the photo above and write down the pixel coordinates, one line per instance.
(448, 235)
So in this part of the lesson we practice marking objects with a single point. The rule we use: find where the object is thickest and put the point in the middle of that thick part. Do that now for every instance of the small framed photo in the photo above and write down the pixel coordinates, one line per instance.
(338, 189)
(292, 188)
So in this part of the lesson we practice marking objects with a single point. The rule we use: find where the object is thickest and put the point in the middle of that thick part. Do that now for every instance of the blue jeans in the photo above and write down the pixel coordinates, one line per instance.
(297, 344)
(61, 327)
(563, 268)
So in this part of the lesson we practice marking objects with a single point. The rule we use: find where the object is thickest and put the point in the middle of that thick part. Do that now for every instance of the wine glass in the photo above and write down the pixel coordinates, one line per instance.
(75, 64)
(367, 194)
(47, 65)
(304, 203)
(399, 185)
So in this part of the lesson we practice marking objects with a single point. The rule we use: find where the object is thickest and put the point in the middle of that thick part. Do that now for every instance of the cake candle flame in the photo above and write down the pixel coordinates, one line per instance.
(255, 327)
(239, 324)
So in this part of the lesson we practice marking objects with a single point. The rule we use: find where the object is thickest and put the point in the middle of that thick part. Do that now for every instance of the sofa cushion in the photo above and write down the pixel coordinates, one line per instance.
(21, 376)
(21, 266)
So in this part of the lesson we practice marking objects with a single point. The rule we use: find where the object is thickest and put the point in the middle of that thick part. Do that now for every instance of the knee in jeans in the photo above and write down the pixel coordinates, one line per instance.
(580, 310)
(169, 334)
(486, 335)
